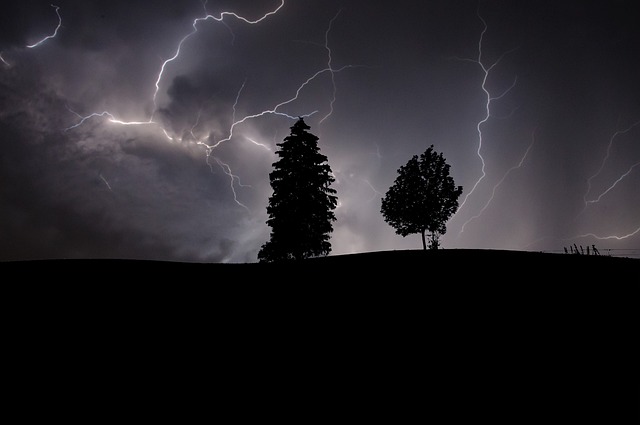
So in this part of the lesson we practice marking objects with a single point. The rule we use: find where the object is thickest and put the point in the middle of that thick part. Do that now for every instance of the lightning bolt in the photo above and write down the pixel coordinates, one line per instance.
(195, 30)
(376, 193)
(378, 154)
(486, 72)
(262, 145)
(330, 67)
(225, 167)
(210, 148)
(613, 185)
(110, 117)
(31, 46)
(175, 57)
(233, 177)
(515, 167)
(195, 124)
(604, 160)
(602, 238)
(55, 32)
(275, 110)
(105, 182)
(597, 199)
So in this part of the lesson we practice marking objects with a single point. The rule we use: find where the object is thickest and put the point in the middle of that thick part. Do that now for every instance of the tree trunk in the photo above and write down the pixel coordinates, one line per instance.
(424, 244)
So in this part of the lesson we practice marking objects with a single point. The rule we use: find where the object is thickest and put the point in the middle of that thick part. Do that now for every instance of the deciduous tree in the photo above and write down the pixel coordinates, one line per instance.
(422, 198)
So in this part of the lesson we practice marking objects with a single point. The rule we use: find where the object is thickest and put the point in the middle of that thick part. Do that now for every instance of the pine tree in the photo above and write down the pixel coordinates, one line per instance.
(301, 207)
(422, 198)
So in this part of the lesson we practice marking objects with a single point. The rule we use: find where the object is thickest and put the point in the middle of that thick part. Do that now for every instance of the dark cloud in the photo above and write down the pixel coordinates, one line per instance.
(188, 184)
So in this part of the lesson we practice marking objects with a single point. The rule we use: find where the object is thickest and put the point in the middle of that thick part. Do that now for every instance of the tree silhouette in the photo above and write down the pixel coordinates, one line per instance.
(301, 207)
(422, 198)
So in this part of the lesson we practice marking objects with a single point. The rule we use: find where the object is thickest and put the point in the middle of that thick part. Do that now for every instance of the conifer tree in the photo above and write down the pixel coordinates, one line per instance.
(301, 207)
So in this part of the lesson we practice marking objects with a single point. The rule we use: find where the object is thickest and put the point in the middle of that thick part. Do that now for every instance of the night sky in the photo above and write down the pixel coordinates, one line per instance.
(134, 131)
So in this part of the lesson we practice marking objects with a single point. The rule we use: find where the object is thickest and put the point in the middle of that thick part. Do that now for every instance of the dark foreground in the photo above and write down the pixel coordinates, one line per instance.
(452, 336)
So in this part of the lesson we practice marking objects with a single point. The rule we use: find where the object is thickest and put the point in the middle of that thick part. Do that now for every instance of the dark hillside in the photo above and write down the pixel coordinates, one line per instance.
(485, 265)
(500, 262)
(452, 336)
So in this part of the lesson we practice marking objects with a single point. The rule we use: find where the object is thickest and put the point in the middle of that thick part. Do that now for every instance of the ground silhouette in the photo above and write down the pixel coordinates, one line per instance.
(461, 266)
(465, 335)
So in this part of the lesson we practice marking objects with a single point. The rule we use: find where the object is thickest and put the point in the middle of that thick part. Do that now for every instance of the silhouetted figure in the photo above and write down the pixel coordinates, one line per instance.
(576, 247)
(581, 249)
(588, 250)
(565, 250)
(595, 250)
(571, 248)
